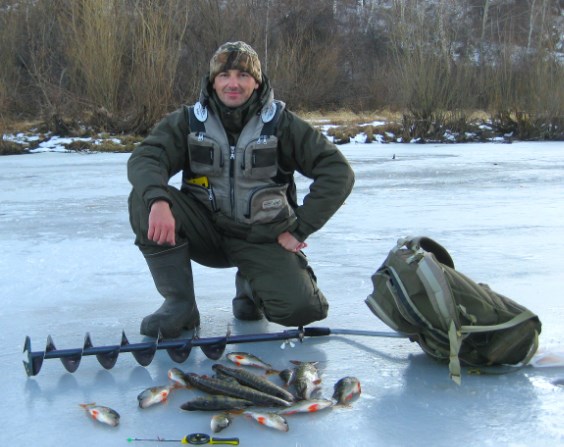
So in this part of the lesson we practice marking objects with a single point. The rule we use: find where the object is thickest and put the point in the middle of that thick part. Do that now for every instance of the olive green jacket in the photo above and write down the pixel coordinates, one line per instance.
(301, 148)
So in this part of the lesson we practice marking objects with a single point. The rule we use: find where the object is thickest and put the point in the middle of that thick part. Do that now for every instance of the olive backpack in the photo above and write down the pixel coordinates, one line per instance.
(418, 292)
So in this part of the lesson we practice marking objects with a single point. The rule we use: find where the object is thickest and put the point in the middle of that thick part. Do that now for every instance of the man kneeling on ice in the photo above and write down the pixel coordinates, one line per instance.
(237, 149)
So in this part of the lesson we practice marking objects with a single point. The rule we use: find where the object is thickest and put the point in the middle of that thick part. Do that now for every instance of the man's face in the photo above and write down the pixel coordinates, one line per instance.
(234, 87)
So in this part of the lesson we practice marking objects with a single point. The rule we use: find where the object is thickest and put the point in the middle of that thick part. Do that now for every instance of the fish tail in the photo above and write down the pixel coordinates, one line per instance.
(87, 405)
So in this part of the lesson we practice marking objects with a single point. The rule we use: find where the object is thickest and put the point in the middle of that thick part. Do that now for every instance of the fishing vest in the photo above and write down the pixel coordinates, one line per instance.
(240, 181)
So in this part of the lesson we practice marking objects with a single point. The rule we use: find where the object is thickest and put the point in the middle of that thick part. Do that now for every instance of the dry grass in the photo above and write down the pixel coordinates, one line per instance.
(348, 117)
(344, 125)
(11, 148)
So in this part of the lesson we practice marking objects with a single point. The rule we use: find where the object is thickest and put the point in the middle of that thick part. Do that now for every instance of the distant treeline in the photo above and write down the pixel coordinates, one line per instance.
(120, 65)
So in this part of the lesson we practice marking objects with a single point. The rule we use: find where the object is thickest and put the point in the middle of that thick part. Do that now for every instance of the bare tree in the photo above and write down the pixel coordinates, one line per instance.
(155, 53)
(95, 44)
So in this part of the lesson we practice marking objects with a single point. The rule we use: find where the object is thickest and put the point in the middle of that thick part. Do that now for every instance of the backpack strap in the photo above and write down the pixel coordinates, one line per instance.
(411, 313)
(270, 115)
(523, 316)
(196, 116)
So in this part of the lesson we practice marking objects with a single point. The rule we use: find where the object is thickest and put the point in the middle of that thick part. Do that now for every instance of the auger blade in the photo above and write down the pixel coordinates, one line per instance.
(70, 361)
(180, 353)
(215, 350)
(143, 352)
(107, 358)
(33, 365)
(50, 346)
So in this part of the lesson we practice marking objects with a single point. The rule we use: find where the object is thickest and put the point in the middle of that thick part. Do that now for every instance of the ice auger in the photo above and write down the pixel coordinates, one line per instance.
(177, 349)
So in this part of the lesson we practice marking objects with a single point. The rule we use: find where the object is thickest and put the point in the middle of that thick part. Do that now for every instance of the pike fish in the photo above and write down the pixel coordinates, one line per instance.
(271, 420)
(259, 383)
(346, 389)
(154, 395)
(306, 406)
(216, 403)
(220, 421)
(307, 379)
(217, 386)
(102, 414)
(245, 359)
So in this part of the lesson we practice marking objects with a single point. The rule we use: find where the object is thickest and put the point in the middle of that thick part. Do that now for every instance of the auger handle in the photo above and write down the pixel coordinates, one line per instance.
(316, 331)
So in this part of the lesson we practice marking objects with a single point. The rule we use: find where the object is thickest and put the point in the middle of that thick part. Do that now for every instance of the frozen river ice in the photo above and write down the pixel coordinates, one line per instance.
(68, 266)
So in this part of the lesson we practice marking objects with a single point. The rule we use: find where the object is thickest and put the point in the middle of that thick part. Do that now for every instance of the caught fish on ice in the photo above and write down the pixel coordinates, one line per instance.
(154, 395)
(271, 420)
(220, 422)
(306, 406)
(346, 390)
(213, 385)
(259, 383)
(288, 376)
(216, 403)
(176, 376)
(102, 414)
(547, 359)
(246, 359)
(307, 379)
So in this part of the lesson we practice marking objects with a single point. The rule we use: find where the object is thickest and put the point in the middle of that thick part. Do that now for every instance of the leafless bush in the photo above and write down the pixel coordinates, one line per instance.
(155, 51)
(431, 84)
(527, 84)
(306, 62)
(120, 65)
(94, 33)
(36, 62)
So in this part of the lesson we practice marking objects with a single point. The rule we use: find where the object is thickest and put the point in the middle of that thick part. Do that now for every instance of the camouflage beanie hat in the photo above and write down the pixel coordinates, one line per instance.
(235, 56)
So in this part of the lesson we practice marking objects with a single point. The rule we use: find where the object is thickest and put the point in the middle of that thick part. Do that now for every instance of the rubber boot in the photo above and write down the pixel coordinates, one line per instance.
(244, 307)
(172, 273)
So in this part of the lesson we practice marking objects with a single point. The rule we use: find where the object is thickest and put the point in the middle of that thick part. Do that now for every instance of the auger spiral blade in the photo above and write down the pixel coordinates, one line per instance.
(213, 350)
(143, 352)
(71, 361)
(107, 358)
(180, 354)
(34, 359)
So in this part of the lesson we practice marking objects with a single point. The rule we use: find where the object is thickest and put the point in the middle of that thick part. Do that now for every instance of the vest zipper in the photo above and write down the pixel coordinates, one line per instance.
(232, 178)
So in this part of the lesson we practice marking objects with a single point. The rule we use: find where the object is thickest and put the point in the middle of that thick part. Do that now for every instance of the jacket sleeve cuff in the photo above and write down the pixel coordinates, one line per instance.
(156, 199)
(301, 232)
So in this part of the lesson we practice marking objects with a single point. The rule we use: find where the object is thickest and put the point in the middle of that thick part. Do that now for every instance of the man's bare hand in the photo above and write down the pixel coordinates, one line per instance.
(161, 224)
(290, 243)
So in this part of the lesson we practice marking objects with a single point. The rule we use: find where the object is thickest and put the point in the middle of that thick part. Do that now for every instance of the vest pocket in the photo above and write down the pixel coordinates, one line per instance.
(205, 155)
(268, 204)
(260, 158)
(201, 194)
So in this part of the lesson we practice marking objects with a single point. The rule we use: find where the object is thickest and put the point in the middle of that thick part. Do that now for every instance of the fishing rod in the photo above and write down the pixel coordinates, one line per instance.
(177, 349)
(193, 438)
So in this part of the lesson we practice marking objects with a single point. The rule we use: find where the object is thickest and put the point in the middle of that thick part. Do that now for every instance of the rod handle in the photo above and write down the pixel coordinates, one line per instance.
(316, 331)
